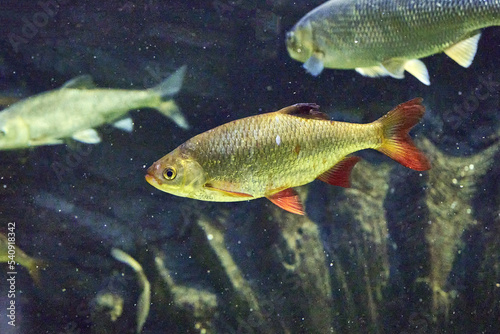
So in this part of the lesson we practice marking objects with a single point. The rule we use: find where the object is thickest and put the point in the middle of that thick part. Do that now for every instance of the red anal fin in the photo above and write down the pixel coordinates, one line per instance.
(304, 110)
(339, 174)
(288, 200)
(227, 192)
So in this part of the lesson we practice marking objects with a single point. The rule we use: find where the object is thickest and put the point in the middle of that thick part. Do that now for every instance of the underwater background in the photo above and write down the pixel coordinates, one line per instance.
(400, 252)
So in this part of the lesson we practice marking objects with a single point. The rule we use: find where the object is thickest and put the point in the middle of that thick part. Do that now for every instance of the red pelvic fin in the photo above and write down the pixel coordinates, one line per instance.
(396, 142)
(288, 200)
(227, 192)
(339, 174)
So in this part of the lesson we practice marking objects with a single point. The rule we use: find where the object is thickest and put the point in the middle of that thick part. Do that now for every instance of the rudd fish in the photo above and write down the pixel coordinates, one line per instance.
(269, 154)
(387, 37)
(75, 109)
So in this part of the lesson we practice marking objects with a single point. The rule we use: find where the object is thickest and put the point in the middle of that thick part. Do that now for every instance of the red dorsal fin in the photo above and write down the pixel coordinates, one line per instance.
(288, 200)
(304, 110)
(227, 192)
(339, 174)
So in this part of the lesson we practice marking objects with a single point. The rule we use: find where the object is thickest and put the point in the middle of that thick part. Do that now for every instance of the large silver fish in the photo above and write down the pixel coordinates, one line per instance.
(387, 37)
(75, 109)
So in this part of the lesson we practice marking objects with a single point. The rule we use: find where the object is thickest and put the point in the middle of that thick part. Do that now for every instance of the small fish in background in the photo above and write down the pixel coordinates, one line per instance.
(269, 154)
(144, 301)
(386, 37)
(75, 109)
(31, 264)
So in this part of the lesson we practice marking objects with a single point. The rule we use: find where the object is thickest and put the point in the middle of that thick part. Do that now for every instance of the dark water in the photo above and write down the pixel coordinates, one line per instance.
(399, 252)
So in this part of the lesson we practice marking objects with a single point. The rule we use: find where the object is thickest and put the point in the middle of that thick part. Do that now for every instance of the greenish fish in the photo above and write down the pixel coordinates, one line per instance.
(387, 37)
(11, 254)
(268, 155)
(75, 109)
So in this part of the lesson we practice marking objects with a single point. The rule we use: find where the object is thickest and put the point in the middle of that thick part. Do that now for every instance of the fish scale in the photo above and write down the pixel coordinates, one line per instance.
(394, 27)
(229, 146)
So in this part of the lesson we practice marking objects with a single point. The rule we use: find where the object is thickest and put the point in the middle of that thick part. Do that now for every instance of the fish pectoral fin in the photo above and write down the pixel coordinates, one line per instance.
(395, 67)
(373, 71)
(339, 174)
(126, 124)
(464, 51)
(304, 110)
(230, 193)
(418, 69)
(288, 200)
(314, 64)
(80, 82)
(87, 136)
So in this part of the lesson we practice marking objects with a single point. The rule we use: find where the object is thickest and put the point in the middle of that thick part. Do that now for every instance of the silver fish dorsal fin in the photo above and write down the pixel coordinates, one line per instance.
(80, 82)
(304, 110)
(464, 51)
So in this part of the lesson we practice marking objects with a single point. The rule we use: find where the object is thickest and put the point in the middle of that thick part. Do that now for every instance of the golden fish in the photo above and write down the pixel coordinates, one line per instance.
(269, 154)
(387, 37)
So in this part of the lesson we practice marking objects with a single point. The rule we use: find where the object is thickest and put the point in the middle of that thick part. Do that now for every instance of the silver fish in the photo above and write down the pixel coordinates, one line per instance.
(387, 37)
(75, 109)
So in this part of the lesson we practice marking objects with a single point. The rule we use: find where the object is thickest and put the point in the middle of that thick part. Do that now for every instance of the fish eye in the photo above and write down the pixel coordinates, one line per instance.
(169, 173)
(2, 133)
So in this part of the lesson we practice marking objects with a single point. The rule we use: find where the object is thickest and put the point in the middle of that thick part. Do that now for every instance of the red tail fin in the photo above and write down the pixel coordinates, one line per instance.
(396, 142)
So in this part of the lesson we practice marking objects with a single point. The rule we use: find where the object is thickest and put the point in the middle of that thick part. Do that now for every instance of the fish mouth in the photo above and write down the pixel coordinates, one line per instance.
(152, 180)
